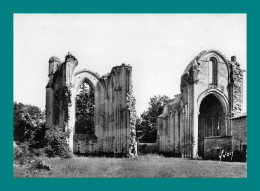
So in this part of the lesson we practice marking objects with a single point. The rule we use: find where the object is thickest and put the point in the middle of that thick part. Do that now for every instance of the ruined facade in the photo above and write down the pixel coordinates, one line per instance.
(198, 122)
(114, 111)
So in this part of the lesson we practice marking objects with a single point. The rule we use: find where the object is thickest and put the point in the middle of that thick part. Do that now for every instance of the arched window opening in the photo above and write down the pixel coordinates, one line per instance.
(214, 71)
(85, 105)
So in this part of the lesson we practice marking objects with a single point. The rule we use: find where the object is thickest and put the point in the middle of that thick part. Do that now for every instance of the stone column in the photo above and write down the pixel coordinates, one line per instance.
(195, 125)
(54, 63)
(195, 122)
(67, 73)
(195, 131)
(49, 107)
(71, 120)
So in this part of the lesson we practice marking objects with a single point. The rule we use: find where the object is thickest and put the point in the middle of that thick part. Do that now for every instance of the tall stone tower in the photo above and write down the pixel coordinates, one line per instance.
(54, 64)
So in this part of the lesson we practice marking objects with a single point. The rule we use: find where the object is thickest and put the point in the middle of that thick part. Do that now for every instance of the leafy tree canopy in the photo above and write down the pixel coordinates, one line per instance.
(146, 124)
(85, 105)
(28, 121)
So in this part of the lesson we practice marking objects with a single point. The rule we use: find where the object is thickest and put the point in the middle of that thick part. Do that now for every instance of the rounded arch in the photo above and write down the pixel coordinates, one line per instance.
(218, 94)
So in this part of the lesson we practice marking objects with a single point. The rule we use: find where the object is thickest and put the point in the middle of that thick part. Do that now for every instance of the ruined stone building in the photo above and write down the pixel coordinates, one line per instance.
(205, 117)
(114, 106)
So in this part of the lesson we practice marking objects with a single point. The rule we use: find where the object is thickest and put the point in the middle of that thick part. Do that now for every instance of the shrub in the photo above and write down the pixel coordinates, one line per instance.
(68, 155)
(24, 147)
(17, 151)
(57, 144)
(22, 154)
(40, 164)
(38, 151)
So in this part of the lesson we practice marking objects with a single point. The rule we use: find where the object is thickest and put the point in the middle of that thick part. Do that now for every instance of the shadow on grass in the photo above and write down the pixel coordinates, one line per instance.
(102, 154)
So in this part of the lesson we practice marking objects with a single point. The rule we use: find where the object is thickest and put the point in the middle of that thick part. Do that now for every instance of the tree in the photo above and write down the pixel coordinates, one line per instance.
(28, 122)
(85, 105)
(146, 125)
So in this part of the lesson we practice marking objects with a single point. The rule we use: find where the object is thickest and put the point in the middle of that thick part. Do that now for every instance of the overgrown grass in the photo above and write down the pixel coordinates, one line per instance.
(142, 166)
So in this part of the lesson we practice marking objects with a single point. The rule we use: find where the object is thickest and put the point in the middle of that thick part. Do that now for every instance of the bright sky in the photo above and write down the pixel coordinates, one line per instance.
(158, 46)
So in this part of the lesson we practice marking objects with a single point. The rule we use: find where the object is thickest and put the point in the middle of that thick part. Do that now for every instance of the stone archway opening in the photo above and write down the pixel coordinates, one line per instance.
(111, 127)
(84, 138)
(211, 121)
(85, 109)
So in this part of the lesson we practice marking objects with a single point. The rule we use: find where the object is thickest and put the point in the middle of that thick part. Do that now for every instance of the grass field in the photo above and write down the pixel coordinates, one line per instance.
(142, 166)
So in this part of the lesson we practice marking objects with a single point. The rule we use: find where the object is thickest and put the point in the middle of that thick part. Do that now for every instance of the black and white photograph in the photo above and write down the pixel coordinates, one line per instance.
(129, 95)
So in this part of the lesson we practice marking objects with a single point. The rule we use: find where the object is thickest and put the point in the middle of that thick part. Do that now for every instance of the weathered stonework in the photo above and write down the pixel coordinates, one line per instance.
(236, 87)
(130, 99)
(239, 132)
(197, 123)
(114, 107)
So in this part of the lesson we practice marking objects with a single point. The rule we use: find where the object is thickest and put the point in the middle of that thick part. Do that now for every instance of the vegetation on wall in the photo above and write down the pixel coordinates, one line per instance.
(130, 102)
(63, 96)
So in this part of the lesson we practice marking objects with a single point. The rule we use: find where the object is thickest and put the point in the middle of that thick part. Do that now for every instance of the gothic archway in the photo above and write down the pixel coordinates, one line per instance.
(85, 109)
(83, 119)
(212, 120)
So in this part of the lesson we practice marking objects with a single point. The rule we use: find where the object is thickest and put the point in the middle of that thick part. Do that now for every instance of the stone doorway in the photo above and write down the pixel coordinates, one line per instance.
(211, 121)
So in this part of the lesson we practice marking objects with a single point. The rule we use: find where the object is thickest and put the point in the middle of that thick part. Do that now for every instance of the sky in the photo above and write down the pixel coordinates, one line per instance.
(157, 46)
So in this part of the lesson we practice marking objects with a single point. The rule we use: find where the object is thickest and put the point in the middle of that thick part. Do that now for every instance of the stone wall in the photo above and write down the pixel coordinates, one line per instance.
(147, 148)
(214, 145)
(236, 87)
(114, 107)
(119, 107)
(178, 126)
(84, 144)
(239, 135)
(205, 74)
(173, 133)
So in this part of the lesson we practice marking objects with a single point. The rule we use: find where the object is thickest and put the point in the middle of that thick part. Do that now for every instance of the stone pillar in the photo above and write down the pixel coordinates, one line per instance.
(176, 132)
(195, 122)
(70, 64)
(71, 120)
(236, 87)
(130, 102)
(54, 63)
(49, 108)
(195, 130)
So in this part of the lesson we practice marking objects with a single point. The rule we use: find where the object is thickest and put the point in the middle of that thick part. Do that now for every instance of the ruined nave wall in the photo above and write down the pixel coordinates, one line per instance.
(114, 107)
